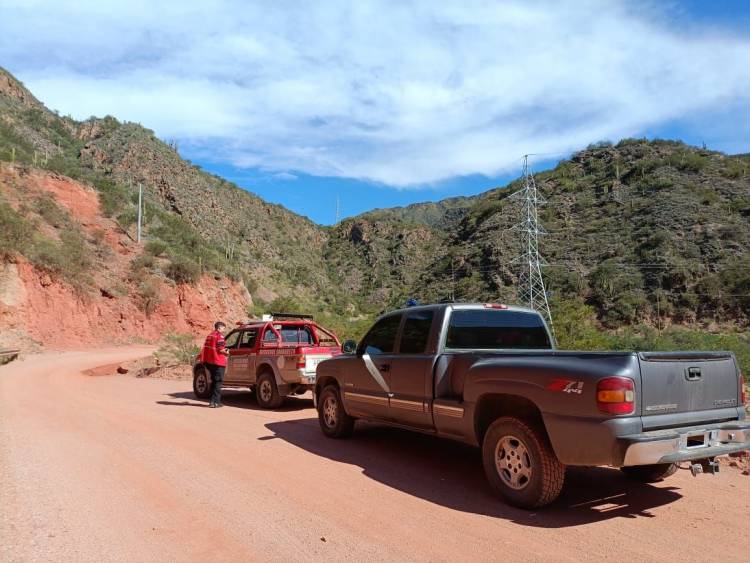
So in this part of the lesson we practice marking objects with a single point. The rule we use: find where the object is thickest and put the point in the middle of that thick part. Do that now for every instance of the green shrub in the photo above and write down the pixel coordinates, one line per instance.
(48, 209)
(182, 270)
(127, 218)
(250, 283)
(68, 259)
(113, 198)
(284, 305)
(149, 295)
(142, 262)
(688, 161)
(576, 328)
(631, 141)
(156, 247)
(15, 232)
(735, 168)
(178, 349)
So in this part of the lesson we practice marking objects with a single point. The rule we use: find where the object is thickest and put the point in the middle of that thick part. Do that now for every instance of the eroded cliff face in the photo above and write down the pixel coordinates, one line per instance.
(41, 309)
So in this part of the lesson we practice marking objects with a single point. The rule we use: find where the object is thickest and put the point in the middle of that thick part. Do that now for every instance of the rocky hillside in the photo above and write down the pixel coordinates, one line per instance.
(642, 231)
(273, 250)
(71, 277)
(651, 233)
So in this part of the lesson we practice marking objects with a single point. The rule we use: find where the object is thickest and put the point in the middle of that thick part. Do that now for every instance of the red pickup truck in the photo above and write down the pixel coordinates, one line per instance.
(275, 357)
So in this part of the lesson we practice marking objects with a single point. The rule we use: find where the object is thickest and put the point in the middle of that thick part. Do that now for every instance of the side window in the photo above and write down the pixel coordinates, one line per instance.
(269, 335)
(248, 338)
(416, 332)
(382, 337)
(231, 340)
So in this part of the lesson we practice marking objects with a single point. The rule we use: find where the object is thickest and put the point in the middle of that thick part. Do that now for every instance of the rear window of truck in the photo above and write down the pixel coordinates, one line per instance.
(493, 329)
(296, 334)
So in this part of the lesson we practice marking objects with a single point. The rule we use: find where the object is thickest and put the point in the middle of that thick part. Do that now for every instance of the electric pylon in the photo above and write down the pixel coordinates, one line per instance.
(531, 283)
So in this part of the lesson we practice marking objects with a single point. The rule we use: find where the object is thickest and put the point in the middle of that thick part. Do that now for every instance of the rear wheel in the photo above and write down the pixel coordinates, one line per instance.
(333, 419)
(202, 385)
(520, 464)
(267, 393)
(650, 473)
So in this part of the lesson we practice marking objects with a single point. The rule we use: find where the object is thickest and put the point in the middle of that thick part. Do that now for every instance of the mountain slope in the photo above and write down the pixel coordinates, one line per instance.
(631, 228)
(641, 232)
(274, 250)
(69, 277)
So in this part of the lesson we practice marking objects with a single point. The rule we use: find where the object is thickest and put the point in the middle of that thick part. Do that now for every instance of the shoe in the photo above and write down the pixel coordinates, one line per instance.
(212, 405)
(219, 405)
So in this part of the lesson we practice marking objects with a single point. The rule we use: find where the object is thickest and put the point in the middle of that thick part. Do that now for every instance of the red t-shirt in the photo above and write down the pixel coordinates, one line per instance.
(212, 348)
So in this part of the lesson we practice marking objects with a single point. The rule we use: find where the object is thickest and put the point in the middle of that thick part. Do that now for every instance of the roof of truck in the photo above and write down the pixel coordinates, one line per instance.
(460, 305)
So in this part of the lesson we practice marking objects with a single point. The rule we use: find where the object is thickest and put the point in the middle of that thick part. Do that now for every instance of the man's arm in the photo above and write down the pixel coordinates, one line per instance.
(221, 346)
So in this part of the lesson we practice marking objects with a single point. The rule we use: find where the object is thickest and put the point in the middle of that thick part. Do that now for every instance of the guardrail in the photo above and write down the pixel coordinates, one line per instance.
(8, 356)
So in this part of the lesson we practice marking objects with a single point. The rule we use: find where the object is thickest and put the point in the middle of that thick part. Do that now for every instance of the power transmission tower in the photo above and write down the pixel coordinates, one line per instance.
(531, 283)
(338, 210)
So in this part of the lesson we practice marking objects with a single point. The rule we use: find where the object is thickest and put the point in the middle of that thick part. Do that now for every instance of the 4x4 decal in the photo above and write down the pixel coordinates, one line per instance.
(566, 386)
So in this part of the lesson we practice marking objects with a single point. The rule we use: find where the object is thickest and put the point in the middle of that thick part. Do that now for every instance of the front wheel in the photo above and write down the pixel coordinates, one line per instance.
(267, 393)
(650, 473)
(333, 419)
(520, 464)
(202, 385)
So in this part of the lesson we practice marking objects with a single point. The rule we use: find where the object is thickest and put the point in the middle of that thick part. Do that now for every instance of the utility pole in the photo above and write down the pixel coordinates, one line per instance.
(453, 280)
(140, 210)
(531, 283)
(338, 209)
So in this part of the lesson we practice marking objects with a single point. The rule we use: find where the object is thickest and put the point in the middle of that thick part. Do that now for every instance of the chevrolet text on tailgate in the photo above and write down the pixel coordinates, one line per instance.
(275, 357)
(489, 375)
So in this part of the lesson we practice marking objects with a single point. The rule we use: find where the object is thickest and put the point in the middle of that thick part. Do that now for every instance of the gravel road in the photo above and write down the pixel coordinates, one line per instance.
(115, 468)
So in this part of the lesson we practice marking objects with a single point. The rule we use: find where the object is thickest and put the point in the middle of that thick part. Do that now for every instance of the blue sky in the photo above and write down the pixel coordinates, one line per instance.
(383, 103)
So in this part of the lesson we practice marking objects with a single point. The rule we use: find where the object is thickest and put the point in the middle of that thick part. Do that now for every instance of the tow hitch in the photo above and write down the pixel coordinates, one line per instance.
(707, 465)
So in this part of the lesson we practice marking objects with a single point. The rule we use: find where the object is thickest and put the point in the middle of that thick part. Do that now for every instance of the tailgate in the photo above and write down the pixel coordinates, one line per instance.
(702, 384)
(315, 355)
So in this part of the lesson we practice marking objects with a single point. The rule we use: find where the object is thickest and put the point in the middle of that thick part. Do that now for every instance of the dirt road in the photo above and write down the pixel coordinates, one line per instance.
(119, 468)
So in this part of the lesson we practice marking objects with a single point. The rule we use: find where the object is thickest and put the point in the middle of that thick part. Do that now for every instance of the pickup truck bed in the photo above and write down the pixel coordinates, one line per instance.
(434, 369)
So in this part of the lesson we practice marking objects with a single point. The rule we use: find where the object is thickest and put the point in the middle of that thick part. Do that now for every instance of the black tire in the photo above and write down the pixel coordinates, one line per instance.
(334, 422)
(202, 384)
(520, 464)
(650, 473)
(266, 392)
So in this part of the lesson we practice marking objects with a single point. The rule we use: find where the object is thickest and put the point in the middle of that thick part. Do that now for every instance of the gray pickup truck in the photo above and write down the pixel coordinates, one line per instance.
(488, 375)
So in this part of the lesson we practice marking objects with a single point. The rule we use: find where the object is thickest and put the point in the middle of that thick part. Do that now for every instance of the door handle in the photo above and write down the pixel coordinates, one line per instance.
(384, 367)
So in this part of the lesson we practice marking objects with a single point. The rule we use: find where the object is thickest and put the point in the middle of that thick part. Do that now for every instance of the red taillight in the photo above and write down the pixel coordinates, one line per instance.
(616, 395)
(301, 360)
(495, 306)
(743, 397)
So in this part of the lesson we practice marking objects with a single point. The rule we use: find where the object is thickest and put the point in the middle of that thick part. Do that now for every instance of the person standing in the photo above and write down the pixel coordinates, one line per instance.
(214, 357)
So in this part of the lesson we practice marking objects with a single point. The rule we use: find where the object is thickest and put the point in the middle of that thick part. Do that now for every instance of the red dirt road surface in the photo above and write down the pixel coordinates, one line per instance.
(115, 468)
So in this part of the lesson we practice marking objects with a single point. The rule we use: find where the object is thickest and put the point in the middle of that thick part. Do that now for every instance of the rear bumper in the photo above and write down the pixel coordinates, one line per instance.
(685, 444)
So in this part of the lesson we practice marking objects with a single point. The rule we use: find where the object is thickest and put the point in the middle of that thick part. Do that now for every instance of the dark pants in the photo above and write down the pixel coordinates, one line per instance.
(217, 378)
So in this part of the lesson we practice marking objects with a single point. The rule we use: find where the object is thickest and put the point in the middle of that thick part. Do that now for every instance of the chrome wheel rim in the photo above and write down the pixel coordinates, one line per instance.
(265, 391)
(201, 384)
(330, 411)
(513, 462)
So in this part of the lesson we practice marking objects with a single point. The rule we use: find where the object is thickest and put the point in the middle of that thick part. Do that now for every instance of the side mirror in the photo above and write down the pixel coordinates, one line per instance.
(349, 347)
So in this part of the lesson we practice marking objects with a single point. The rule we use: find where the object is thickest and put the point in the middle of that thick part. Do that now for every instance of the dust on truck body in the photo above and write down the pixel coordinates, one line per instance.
(488, 375)
(275, 357)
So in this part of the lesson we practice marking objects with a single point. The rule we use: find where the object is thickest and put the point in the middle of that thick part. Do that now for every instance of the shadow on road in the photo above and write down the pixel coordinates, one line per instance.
(450, 474)
(238, 399)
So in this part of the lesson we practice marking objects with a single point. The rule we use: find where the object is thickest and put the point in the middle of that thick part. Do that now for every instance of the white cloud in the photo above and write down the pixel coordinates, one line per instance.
(394, 92)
